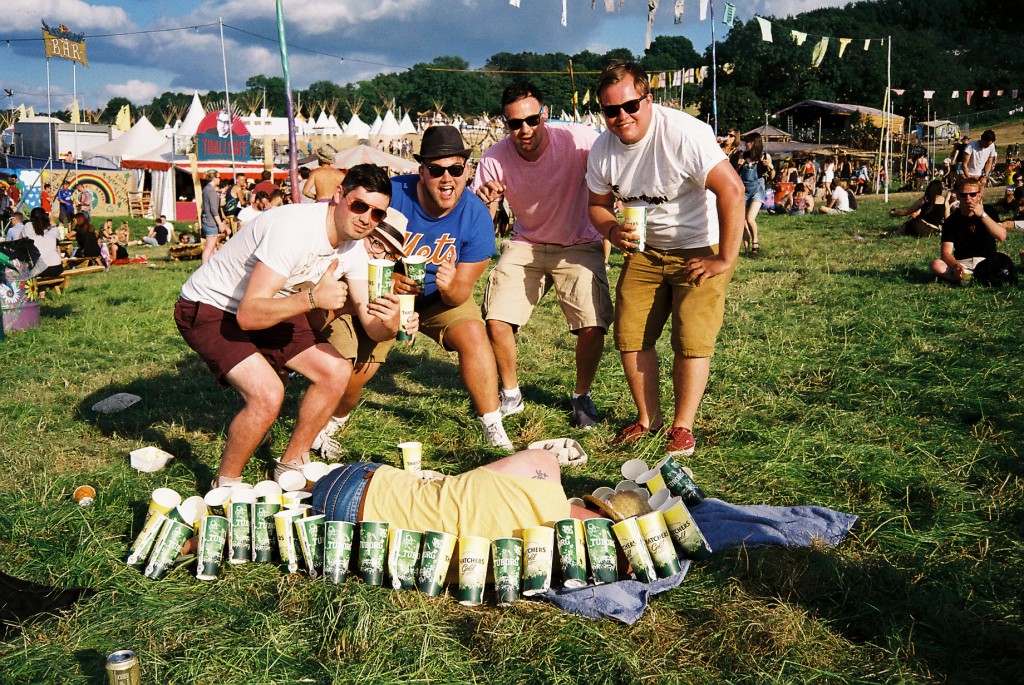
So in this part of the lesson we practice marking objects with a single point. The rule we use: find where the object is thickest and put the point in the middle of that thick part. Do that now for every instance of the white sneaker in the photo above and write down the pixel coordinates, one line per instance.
(327, 447)
(494, 434)
(510, 405)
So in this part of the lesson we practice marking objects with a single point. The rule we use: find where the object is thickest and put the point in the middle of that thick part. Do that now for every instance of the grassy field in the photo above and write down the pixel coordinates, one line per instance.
(844, 377)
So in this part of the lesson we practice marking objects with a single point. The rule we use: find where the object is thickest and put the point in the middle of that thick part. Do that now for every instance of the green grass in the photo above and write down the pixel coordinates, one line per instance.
(844, 376)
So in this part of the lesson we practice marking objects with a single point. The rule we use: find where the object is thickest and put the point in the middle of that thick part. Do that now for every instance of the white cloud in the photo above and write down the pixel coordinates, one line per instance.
(25, 15)
(139, 92)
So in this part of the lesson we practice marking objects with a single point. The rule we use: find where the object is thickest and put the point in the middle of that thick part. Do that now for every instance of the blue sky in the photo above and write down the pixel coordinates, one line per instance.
(372, 35)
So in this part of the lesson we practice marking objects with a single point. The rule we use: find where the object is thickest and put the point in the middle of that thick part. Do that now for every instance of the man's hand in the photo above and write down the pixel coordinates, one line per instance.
(387, 310)
(403, 285)
(491, 191)
(330, 292)
(700, 269)
(626, 240)
(445, 276)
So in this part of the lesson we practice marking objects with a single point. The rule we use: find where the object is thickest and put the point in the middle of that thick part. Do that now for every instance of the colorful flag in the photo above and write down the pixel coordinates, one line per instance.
(677, 78)
(730, 14)
(689, 76)
(61, 42)
(654, 82)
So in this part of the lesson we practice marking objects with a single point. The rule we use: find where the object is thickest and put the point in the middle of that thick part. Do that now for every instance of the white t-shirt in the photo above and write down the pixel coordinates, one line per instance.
(842, 199)
(291, 240)
(46, 243)
(16, 231)
(247, 214)
(975, 164)
(548, 196)
(664, 172)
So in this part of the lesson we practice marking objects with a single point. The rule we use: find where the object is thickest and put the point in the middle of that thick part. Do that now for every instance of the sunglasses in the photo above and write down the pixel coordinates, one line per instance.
(964, 196)
(630, 106)
(437, 171)
(359, 207)
(531, 121)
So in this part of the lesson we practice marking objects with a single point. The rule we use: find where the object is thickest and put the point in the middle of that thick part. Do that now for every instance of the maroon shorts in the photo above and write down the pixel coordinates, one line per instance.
(216, 336)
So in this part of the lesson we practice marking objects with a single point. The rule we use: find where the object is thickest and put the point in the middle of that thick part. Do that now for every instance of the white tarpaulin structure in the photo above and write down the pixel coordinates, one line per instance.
(140, 138)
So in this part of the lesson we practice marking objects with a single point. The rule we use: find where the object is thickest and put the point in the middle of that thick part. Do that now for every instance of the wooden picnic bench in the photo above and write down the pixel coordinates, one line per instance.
(76, 266)
(57, 284)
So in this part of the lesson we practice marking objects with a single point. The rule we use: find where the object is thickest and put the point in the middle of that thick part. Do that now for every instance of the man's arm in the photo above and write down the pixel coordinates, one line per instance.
(729, 200)
(601, 208)
(455, 282)
(988, 169)
(946, 255)
(380, 318)
(309, 187)
(259, 309)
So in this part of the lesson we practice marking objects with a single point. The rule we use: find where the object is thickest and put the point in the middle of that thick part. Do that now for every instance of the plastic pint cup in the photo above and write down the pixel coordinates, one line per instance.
(677, 480)
(287, 540)
(634, 220)
(633, 469)
(264, 532)
(173, 536)
(688, 539)
(508, 569)
(406, 307)
(240, 526)
(160, 504)
(379, 275)
(310, 531)
(659, 543)
(216, 499)
(435, 558)
(571, 552)
(601, 550)
(291, 481)
(403, 555)
(412, 456)
(538, 550)
(416, 269)
(337, 549)
(213, 536)
(473, 553)
(652, 480)
(627, 532)
(294, 499)
(373, 543)
(314, 471)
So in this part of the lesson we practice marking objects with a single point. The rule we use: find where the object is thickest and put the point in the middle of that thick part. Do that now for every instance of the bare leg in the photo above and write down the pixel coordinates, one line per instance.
(476, 364)
(328, 375)
(539, 464)
(752, 209)
(689, 379)
(503, 342)
(263, 392)
(361, 375)
(209, 247)
(641, 369)
(607, 244)
(589, 346)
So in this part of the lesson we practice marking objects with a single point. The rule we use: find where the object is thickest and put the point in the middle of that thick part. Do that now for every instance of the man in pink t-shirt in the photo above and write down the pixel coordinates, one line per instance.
(541, 170)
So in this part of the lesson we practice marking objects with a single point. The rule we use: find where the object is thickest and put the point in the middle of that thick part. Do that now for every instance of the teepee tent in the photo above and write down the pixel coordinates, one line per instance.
(406, 126)
(195, 115)
(357, 127)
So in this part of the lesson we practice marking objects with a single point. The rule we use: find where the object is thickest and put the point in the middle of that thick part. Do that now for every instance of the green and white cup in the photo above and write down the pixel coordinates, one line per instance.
(217, 499)
(627, 532)
(601, 550)
(403, 556)
(435, 558)
(659, 543)
(373, 544)
(173, 536)
(310, 531)
(268, 491)
(508, 569)
(162, 501)
(213, 537)
(538, 553)
(406, 308)
(473, 554)
(571, 552)
(380, 276)
(634, 220)
(677, 480)
(338, 536)
(689, 541)
(240, 526)
(264, 530)
(416, 269)
(287, 539)
(412, 456)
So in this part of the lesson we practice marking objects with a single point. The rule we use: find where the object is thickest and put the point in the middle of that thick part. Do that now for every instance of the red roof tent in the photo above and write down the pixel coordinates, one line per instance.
(250, 169)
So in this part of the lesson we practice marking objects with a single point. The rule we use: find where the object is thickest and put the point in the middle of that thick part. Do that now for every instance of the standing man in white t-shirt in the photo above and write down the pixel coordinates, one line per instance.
(245, 312)
(668, 163)
(541, 170)
(980, 157)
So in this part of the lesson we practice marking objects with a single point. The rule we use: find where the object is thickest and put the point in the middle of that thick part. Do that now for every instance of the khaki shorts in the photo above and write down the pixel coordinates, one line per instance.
(438, 318)
(525, 272)
(349, 337)
(652, 287)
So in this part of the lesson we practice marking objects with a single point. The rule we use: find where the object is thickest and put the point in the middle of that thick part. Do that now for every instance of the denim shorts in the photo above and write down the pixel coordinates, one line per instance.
(339, 493)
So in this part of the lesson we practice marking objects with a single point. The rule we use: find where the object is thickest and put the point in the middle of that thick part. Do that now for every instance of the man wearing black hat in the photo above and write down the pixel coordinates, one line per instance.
(453, 230)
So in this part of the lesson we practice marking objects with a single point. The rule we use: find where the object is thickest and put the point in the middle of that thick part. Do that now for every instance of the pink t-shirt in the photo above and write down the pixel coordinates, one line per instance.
(549, 196)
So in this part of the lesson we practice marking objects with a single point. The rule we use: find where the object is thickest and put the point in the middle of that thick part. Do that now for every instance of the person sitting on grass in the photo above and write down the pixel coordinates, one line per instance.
(839, 201)
(797, 203)
(85, 236)
(969, 234)
(160, 233)
(926, 213)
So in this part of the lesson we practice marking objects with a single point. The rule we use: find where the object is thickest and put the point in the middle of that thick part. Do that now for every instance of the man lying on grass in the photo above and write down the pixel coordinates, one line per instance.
(245, 315)
(969, 235)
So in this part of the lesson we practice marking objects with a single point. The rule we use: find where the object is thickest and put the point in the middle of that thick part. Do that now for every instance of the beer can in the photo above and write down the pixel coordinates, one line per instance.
(123, 668)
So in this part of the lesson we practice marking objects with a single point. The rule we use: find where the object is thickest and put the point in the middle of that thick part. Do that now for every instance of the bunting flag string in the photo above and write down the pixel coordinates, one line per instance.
(678, 12)
(766, 29)
(955, 95)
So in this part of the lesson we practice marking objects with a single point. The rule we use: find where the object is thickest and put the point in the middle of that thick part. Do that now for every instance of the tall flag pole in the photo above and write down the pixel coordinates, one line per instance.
(227, 100)
(714, 73)
(293, 161)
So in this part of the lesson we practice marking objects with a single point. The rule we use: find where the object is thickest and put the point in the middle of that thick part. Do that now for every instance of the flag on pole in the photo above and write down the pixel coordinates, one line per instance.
(652, 7)
(766, 29)
(76, 117)
(61, 42)
(586, 97)
(928, 94)
(124, 119)
(564, 21)
(677, 78)
(730, 14)
(514, 3)
(655, 84)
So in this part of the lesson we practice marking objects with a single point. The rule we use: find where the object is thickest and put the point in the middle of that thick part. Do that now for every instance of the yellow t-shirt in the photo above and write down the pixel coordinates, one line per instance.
(480, 502)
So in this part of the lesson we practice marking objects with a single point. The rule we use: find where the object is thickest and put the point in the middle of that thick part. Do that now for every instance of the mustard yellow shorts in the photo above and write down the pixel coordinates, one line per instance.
(438, 318)
(352, 342)
(652, 287)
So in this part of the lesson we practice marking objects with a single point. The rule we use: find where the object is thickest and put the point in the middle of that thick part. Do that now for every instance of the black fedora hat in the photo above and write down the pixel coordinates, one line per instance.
(442, 141)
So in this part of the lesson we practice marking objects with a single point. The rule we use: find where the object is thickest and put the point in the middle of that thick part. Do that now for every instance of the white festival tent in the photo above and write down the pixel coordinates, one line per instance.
(357, 127)
(406, 125)
(375, 126)
(140, 138)
(389, 126)
(193, 118)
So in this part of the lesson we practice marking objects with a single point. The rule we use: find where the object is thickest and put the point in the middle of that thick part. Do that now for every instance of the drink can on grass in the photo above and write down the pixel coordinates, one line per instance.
(601, 550)
(412, 456)
(213, 537)
(240, 526)
(634, 220)
(162, 501)
(677, 480)
(435, 558)
(627, 532)
(571, 552)
(173, 537)
(416, 269)
(264, 531)
(379, 276)
(688, 539)
(287, 540)
(406, 308)
(538, 552)
(311, 533)
(659, 543)
(123, 668)
(337, 549)
(473, 554)
(403, 555)
(508, 569)
(373, 544)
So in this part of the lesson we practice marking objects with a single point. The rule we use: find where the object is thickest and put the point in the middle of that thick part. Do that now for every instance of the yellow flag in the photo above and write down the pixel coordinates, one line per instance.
(575, 98)
(76, 117)
(124, 119)
(30, 112)
(586, 97)
(21, 111)
(654, 81)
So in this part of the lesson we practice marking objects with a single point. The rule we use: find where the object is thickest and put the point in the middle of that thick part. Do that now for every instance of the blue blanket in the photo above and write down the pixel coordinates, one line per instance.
(724, 526)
